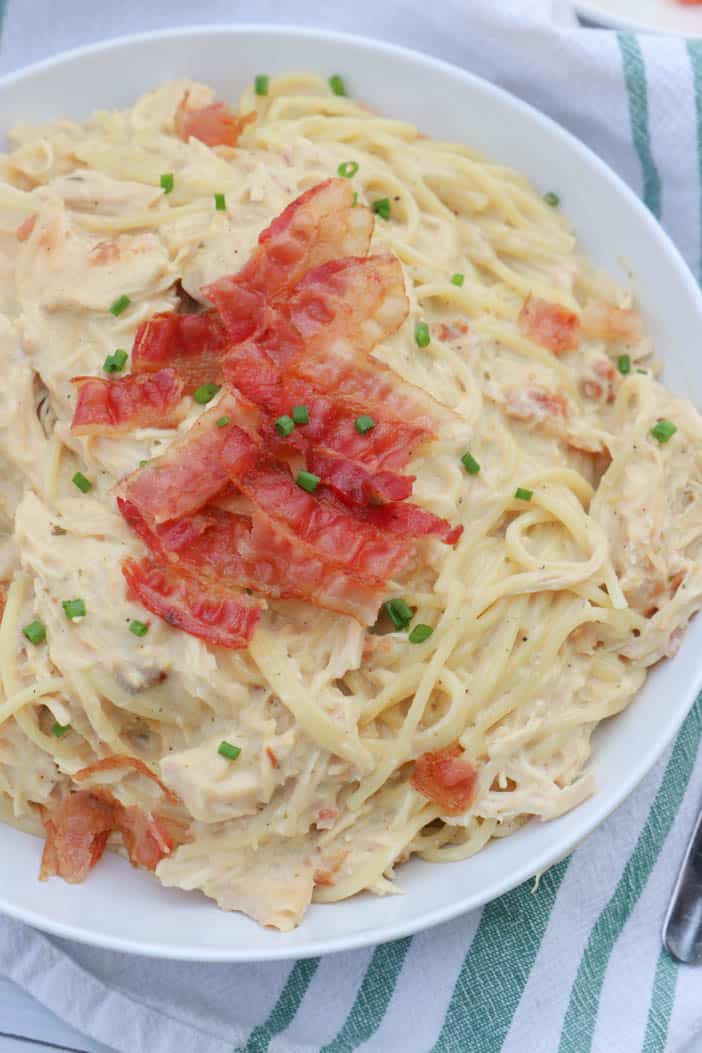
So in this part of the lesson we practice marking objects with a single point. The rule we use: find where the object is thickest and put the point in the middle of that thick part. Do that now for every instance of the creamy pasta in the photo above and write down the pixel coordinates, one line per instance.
(575, 475)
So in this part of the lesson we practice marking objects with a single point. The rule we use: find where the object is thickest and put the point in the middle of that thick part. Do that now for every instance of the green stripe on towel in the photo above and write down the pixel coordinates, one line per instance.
(637, 91)
(694, 50)
(661, 1005)
(286, 1007)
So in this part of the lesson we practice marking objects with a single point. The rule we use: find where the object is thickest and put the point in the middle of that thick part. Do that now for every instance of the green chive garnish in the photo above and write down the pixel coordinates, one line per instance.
(523, 495)
(337, 85)
(624, 364)
(35, 632)
(225, 749)
(458, 279)
(308, 481)
(121, 304)
(222, 422)
(469, 463)
(205, 393)
(115, 362)
(347, 169)
(285, 425)
(420, 633)
(166, 182)
(220, 202)
(381, 207)
(364, 424)
(300, 414)
(399, 612)
(644, 371)
(422, 335)
(552, 199)
(142, 463)
(138, 628)
(355, 199)
(59, 730)
(664, 430)
(81, 482)
(74, 609)
(261, 84)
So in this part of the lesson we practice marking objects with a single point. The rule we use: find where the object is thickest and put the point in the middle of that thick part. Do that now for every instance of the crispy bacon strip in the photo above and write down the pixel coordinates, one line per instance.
(219, 616)
(191, 344)
(112, 407)
(24, 231)
(331, 424)
(77, 831)
(550, 325)
(188, 474)
(214, 125)
(410, 520)
(356, 485)
(318, 226)
(123, 760)
(446, 778)
(319, 521)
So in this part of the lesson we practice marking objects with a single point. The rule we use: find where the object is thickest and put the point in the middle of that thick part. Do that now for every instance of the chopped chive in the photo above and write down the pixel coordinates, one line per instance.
(644, 371)
(664, 430)
(347, 169)
(74, 609)
(420, 633)
(166, 182)
(523, 495)
(121, 304)
(307, 481)
(220, 202)
(458, 279)
(399, 613)
(138, 628)
(142, 463)
(115, 362)
(205, 393)
(285, 425)
(624, 364)
(469, 463)
(364, 424)
(355, 199)
(261, 84)
(337, 85)
(59, 730)
(35, 632)
(225, 749)
(222, 422)
(300, 414)
(81, 482)
(551, 198)
(422, 335)
(381, 207)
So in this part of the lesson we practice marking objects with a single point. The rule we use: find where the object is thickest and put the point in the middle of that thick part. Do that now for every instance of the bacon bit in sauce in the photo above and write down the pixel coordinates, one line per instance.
(77, 831)
(549, 325)
(214, 125)
(111, 407)
(446, 778)
(600, 388)
(602, 321)
(123, 760)
(451, 332)
(327, 875)
(535, 403)
(24, 231)
(272, 757)
(326, 818)
(104, 252)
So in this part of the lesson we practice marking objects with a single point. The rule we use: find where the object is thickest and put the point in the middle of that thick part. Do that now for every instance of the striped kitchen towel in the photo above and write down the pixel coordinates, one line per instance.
(571, 965)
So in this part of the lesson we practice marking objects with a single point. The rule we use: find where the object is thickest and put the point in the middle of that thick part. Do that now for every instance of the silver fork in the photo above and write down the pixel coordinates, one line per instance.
(682, 928)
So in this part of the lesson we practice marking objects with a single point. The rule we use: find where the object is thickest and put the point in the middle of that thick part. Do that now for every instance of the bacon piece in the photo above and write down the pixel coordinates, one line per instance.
(112, 407)
(272, 757)
(188, 474)
(104, 252)
(191, 344)
(535, 403)
(318, 226)
(446, 778)
(77, 831)
(318, 520)
(600, 384)
(550, 325)
(215, 615)
(123, 760)
(602, 321)
(410, 520)
(354, 484)
(331, 422)
(24, 231)
(214, 125)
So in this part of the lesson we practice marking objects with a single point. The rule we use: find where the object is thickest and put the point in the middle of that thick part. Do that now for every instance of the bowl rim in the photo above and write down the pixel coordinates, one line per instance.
(581, 824)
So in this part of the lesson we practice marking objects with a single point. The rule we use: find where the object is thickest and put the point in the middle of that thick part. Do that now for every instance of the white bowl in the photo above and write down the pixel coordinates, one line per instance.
(126, 909)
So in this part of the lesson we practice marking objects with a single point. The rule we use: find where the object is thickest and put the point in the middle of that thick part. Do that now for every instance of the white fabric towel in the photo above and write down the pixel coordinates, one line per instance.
(576, 965)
